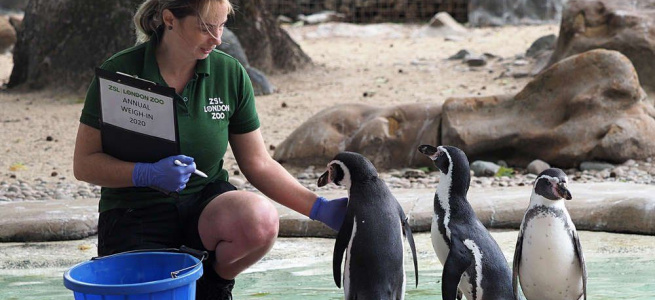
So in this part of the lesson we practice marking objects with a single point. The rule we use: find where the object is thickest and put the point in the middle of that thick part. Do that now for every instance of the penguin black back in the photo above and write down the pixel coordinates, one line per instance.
(371, 234)
(473, 261)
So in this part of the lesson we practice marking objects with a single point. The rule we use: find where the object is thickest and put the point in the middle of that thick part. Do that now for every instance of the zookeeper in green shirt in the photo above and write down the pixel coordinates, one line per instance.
(178, 40)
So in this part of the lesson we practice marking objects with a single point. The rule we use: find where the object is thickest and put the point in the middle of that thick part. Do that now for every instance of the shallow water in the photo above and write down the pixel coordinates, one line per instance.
(619, 266)
(612, 278)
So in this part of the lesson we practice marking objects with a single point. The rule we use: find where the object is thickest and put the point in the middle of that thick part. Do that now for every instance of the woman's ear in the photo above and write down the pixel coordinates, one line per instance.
(167, 18)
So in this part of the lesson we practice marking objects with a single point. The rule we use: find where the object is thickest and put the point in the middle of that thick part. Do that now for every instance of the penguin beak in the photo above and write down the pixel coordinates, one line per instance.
(324, 179)
(563, 192)
(430, 151)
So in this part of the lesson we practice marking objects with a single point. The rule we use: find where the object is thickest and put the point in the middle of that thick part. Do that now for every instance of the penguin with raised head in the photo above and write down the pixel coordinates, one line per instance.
(472, 260)
(371, 234)
(548, 259)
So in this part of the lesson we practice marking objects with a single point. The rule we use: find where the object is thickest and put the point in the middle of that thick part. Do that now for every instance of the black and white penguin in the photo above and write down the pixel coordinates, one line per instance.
(371, 234)
(548, 259)
(472, 260)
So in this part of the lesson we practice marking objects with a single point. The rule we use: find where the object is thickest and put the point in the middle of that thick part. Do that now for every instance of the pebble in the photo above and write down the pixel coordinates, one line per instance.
(595, 166)
(537, 166)
(484, 168)
(639, 172)
(634, 172)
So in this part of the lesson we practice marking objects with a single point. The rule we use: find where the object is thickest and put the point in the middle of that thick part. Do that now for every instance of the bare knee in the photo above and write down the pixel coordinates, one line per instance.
(265, 222)
(242, 217)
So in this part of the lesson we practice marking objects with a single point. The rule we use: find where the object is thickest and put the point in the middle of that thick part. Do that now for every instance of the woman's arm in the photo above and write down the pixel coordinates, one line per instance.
(267, 175)
(92, 165)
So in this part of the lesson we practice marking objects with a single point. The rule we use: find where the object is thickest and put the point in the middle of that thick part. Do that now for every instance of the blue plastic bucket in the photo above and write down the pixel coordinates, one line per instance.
(135, 276)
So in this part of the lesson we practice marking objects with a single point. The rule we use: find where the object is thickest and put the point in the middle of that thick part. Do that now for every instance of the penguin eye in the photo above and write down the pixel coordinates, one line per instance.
(336, 173)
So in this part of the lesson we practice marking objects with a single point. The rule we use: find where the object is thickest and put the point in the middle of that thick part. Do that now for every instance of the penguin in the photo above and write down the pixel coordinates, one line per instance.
(372, 232)
(548, 259)
(473, 263)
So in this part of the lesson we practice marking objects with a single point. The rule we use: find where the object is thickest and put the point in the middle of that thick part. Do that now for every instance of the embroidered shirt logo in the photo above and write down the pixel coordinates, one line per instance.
(217, 108)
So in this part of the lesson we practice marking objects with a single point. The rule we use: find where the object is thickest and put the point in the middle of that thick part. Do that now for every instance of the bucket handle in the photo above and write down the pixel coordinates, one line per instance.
(200, 255)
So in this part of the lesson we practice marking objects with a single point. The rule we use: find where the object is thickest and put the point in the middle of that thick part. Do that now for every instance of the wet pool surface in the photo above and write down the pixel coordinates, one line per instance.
(620, 267)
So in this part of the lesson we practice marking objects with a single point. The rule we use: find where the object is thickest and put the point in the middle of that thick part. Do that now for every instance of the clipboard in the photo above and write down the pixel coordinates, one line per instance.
(138, 118)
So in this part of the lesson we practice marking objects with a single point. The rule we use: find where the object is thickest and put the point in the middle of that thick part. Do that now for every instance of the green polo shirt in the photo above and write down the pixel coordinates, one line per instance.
(217, 101)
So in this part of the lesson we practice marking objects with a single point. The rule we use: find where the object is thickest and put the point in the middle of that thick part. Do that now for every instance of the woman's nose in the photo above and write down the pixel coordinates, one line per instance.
(215, 39)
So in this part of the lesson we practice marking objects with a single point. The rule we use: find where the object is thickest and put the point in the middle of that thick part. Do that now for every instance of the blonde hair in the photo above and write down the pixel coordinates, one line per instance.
(148, 17)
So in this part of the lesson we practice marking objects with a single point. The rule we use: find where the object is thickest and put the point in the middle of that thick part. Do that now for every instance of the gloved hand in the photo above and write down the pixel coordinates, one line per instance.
(164, 174)
(330, 212)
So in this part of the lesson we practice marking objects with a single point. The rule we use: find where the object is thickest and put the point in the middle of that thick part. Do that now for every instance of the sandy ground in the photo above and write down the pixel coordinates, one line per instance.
(38, 128)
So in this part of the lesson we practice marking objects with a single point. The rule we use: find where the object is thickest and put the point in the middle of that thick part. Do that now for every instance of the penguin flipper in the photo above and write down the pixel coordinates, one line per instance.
(459, 259)
(407, 231)
(516, 264)
(343, 238)
(581, 260)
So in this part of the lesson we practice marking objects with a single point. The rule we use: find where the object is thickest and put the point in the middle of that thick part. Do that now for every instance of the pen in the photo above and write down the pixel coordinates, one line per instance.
(197, 172)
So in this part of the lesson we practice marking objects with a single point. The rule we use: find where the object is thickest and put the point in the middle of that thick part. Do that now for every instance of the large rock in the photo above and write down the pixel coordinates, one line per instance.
(503, 12)
(587, 107)
(624, 26)
(387, 136)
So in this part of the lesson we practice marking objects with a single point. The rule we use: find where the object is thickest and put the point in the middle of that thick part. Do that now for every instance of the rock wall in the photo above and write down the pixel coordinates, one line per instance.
(503, 12)
(373, 11)
(475, 12)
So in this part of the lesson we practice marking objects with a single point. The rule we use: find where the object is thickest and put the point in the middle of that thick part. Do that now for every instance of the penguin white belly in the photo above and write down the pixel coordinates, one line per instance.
(438, 243)
(346, 271)
(549, 266)
(441, 248)
(402, 293)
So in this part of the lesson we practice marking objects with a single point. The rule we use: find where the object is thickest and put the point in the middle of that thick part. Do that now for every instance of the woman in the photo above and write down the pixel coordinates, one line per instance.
(237, 227)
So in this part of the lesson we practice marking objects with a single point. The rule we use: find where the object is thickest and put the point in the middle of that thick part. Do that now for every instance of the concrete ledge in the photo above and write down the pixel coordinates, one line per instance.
(38, 221)
(611, 207)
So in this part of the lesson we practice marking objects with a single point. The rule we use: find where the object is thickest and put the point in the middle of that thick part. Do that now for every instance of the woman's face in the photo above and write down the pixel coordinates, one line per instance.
(198, 36)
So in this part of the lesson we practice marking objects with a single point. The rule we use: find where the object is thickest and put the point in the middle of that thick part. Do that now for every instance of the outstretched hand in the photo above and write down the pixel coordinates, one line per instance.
(164, 174)
(330, 212)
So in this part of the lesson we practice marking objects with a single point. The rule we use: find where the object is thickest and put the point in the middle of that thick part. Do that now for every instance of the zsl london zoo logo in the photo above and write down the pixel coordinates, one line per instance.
(217, 108)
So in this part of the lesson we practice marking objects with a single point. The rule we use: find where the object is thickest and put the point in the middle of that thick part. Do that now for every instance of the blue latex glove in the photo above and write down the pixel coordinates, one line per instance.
(164, 174)
(330, 212)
